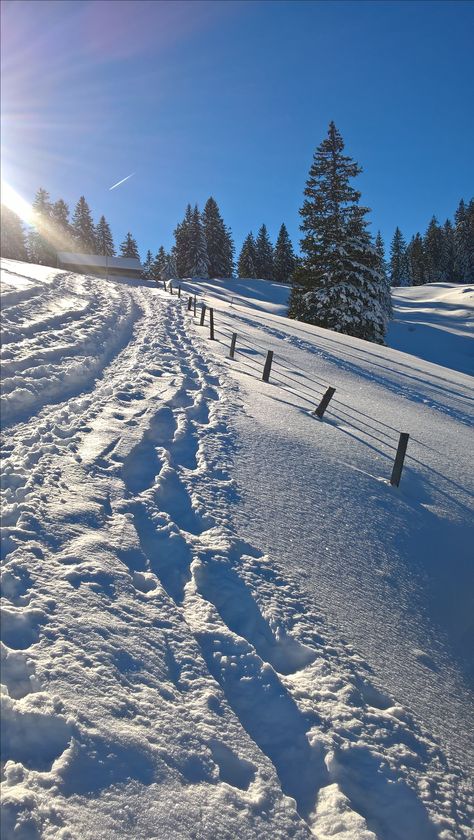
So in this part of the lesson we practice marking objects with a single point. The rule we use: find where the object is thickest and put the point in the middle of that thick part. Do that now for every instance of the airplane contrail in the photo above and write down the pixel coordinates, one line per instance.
(122, 181)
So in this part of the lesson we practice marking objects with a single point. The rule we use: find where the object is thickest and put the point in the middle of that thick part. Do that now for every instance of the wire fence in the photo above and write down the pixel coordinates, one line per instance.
(255, 359)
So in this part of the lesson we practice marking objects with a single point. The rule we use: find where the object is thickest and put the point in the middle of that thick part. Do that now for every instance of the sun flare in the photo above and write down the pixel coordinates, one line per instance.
(11, 199)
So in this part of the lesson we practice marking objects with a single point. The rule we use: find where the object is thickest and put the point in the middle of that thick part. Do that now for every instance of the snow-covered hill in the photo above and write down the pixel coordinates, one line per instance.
(219, 617)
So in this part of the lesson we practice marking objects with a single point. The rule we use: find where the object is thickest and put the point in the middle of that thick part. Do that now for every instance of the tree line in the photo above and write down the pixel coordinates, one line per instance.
(204, 248)
(203, 243)
(340, 281)
(53, 230)
(445, 253)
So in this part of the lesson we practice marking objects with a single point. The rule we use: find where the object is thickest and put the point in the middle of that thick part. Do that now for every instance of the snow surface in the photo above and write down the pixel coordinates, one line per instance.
(219, 619)
(436, 323)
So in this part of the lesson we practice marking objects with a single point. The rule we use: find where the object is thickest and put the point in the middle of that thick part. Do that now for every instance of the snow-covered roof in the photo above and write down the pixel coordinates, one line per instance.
(100, 262)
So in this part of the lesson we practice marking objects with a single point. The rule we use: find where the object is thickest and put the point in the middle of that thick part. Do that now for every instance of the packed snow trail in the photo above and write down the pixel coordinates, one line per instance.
(164, 677)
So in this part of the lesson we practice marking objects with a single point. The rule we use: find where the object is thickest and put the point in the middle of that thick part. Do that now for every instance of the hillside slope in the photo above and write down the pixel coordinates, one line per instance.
(219, 618)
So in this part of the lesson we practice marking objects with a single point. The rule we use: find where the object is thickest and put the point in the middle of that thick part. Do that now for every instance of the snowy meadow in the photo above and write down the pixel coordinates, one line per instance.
(219, 618)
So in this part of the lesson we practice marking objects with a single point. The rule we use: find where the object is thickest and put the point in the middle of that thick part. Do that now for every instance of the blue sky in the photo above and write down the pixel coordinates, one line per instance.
(230, 99)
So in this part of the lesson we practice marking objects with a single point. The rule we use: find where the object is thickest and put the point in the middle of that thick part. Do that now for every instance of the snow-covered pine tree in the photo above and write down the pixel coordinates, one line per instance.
(83, 228)
(219, 243)
(198, 248)
(415, 254)
(383, 270)
(104, 239)
(159, 265)
(247, 258)
(169, 271)
(40, 248)
(367, 299)
(464, 242)
(147, 266)
(337, 283)
(284, 261)
(434, 252)
(264, 255)
(172, 265)
(129, 247)
(13, 240)
(183, 236)
(398, 265)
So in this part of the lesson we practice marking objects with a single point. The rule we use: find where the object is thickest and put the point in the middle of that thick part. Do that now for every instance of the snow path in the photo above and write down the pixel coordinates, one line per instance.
(160, 670)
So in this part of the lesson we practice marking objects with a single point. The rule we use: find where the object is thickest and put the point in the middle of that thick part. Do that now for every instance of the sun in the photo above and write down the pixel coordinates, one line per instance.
(11, 199)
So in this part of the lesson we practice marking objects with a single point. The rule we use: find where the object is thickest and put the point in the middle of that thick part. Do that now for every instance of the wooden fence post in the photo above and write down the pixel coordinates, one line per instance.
(399, 459)
(164, 284)
(190, 303)
(179, 290)
(268, 366)
(171, 287)
(232, 345)
(194, 305)
(203, 314)
(319, 411)
(211, 323)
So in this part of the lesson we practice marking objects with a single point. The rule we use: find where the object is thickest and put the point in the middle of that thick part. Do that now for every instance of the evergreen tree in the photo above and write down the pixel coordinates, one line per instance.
(40, 248)
(284, 261)
(264, 255)
(464, 242)
(398, 266)
(104, 240)
(61, 234)
(159, 266)
(449, 252)
(415, 253)
(83, 228)
(383, 271)
(183, 236)
(172, 265)
(170, 270)
(337, 284)
(13, 240)
(434, 252)
(199, 260)
(147, 266)
(247, 258)
(129, 247)
(220, 247)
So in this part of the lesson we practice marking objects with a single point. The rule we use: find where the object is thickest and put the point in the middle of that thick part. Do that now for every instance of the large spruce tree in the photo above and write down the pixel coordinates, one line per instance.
(264, 254)
(220, 247)
(247, 258)
(129, 247)
(284, 261)
(104, 239)
(338, 284)
(13, 240)
(83, 228)
(398, 266)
